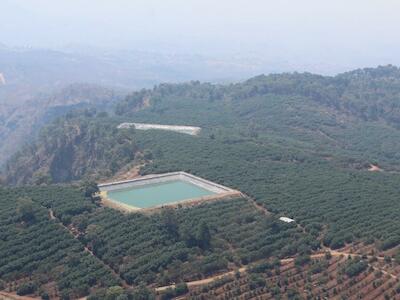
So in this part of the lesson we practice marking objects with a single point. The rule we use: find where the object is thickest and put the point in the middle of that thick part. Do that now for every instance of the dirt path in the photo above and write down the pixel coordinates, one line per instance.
(256, 205)
(384, 272)
(131, 173)
(353, 255)
(12, 296)
(266, 211)
(203, 281)
(240, 270)
(51, 213)
(285, 260)
(124, 283)
(229, 273)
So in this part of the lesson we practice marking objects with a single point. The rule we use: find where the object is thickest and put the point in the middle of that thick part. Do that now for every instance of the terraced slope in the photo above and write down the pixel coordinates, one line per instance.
(38, 256)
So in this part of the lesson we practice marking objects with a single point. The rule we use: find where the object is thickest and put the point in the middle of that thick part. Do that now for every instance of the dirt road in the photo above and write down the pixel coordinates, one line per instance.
(285, 260)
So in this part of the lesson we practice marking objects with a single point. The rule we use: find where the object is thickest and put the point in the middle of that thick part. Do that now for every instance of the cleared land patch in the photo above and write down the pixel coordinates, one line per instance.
(154, 191)
(192, 130)
(374, 168)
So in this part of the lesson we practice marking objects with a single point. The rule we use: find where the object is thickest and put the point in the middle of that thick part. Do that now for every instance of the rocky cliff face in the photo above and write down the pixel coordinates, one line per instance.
(20, 122)
(80, 145)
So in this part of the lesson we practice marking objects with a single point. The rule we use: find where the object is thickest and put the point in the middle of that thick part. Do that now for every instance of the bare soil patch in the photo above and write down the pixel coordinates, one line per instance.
(374, 168)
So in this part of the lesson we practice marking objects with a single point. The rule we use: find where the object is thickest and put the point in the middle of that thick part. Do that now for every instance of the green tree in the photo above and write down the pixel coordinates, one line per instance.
(204, 236)
(142, 293)
(114, 292)
(26, 288)
(302, 259)
(90, 188)
(169, 222)
(181, 289)
(25, 210)
(123, 297)
(188, 236)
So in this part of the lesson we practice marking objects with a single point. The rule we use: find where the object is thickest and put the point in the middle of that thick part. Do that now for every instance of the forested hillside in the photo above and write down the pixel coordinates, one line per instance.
(351, 119)
(23, 112)
(84, 144)
(299, 145)
(370, 94)
(41, 83)
(354, 114)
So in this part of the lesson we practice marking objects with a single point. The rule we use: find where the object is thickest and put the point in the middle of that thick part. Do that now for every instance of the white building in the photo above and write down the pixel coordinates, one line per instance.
(286, 220)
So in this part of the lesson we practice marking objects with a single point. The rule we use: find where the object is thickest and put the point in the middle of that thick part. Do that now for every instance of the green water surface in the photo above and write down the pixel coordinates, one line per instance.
(150, 195)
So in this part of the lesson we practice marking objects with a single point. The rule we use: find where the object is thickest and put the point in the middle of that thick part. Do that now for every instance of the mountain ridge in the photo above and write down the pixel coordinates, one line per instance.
(322, 115)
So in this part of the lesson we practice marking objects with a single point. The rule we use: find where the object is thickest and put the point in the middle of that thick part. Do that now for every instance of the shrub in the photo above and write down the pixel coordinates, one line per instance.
(398, 289)
(113, 292)
(390, 243)
(260, 268)
(65, 295)
(26, 288)
(301, 260)
(181, 289)
(168, 294)
(256, 281)
(45, 296)
(354, 267)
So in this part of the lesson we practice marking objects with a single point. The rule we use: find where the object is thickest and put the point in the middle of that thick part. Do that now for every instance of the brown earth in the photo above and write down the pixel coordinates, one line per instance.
(12, 296)
(374, 168)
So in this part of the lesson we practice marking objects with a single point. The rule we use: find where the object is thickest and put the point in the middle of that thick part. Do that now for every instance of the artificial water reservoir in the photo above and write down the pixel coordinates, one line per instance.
(150, 195)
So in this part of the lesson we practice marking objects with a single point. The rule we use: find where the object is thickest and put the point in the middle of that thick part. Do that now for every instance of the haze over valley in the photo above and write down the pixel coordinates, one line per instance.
(199, 150)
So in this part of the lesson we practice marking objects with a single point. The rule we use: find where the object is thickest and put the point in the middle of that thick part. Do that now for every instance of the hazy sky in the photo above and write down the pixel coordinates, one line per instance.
(346, 30)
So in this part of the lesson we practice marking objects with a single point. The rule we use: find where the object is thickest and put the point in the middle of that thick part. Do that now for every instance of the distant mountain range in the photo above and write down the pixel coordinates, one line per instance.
(37, 85)
(33, 82)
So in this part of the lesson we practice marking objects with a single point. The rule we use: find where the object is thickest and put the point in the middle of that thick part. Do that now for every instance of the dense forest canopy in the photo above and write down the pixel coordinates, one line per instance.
(354, 114)
(370, 94)
(72, 148)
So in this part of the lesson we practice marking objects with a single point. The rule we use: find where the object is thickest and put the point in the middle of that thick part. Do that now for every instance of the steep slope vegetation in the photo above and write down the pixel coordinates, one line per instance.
(351, 119)
(72, 148)
(355, 114)
(20, 122)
